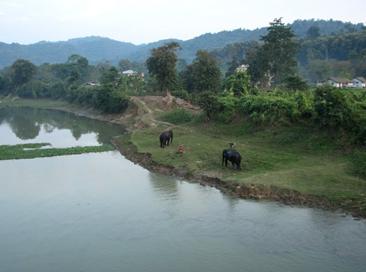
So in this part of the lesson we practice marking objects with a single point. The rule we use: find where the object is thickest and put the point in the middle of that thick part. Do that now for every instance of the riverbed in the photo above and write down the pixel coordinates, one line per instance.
(101, 212)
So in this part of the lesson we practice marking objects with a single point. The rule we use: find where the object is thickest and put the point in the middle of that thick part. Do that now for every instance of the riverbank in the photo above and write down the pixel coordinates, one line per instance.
(294, 165)
(317, 184)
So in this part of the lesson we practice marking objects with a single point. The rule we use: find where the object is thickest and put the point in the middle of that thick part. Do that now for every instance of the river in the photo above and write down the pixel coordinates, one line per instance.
(101, 212)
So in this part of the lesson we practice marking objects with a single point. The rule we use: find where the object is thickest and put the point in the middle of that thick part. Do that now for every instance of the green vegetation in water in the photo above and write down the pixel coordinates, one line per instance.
(36, 150)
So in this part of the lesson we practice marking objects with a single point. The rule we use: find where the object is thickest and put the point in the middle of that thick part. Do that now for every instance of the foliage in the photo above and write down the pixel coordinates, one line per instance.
(182, 94)
(238, 83)
(268, 108)
(22, 71)
(313, 32)
(209, 103)
(295, 83)
(332, 109)
(161, 65)
(358, 164)
(36, 150)
(203, 74)
(278, 52)
(178, 116)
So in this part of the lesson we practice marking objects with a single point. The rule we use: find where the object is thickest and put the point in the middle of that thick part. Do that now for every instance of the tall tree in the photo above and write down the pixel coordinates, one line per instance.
(278, 52)
(162, 65)
(313, 32)
(22, 71)
(203, 74)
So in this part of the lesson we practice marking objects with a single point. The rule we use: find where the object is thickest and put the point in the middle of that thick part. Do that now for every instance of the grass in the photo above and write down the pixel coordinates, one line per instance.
(177, 116)
(37, 150)
(33, 103)
(297, 158)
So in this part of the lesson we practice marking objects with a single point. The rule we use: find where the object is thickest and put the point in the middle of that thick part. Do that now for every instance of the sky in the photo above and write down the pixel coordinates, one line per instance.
(143, 21)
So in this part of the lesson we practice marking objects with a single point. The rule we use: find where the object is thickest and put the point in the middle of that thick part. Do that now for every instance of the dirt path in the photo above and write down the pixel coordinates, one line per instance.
(146, 115)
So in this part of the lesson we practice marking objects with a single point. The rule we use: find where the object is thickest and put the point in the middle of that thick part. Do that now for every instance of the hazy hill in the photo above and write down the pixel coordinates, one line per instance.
(98, 49)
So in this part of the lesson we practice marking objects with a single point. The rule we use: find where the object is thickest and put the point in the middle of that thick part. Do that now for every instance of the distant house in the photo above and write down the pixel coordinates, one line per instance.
(340, 82)
(359, 82)
(242, 68)
(129, 73)
(93, 83)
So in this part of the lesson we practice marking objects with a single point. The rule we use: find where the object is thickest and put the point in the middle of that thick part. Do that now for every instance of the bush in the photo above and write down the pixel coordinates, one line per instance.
(182, 94)
(33, 89)
(332, 108)
(358, 164)
(208, 101)
(305, 104)
(295, 83)
(178, 116)
(227, 108)
(265, 108)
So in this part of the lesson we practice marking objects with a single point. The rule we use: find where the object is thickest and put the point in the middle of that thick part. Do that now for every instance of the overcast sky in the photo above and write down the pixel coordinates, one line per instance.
(28, 21)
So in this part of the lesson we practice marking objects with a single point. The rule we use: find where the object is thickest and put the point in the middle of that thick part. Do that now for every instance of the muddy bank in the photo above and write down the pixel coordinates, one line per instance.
(250, 191)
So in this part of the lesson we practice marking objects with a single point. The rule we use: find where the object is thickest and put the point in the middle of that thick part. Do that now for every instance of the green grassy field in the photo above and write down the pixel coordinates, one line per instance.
(296, 158)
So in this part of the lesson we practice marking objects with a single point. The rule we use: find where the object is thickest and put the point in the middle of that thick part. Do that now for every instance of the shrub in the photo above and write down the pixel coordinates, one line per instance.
(265, 108)
(305, 104)
(227, 108)
(332, 108)
(208, 101)
(182, 94)
(358, 164)
(295, 83)
(178, 116)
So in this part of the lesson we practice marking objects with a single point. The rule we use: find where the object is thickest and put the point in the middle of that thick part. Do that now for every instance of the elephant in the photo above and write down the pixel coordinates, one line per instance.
(233, 156)
(166, 138)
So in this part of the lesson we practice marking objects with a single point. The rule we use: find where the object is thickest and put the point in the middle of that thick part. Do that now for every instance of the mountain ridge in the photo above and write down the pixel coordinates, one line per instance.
(101, 49)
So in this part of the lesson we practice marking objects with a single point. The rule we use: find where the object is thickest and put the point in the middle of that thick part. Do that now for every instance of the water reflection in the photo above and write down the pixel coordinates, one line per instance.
(59, 128)
(166, 186)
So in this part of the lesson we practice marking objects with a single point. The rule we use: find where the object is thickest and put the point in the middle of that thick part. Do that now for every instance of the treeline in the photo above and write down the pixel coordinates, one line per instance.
(319, 57)
(102, 86)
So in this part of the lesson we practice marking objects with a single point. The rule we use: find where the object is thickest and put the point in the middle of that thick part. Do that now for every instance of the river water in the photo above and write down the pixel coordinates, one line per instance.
(101, 212)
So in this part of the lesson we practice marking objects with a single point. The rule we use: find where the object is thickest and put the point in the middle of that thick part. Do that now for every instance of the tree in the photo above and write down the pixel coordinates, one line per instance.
(296, 83)
(239, 82)
(203, 74)
(313, 32)
(125, 64)
(162, 65)
(278, 52)
(109, 76)
(78, 64)
(22, 71)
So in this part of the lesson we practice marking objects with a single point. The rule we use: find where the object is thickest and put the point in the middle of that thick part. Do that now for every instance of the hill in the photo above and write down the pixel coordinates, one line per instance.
(99, 49)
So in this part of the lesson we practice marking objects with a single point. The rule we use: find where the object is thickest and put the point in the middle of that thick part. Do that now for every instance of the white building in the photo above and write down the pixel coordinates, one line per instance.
(129, 73)
(340, 82)
(359, 82)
